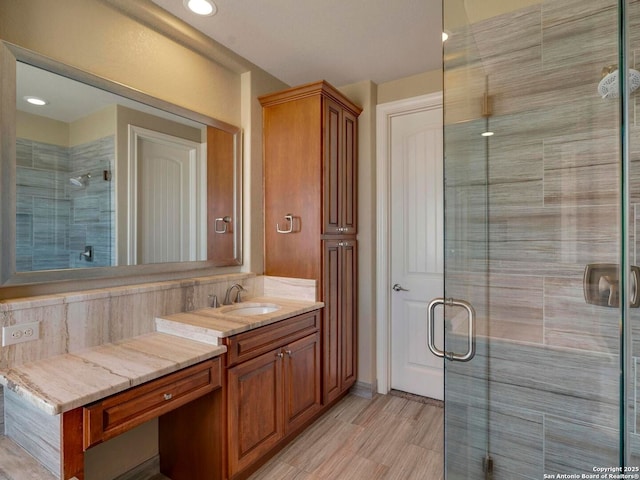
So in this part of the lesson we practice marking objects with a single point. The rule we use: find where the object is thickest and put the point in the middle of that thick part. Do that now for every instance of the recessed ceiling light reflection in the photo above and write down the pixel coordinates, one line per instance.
(445, 36)
(487, 134)
(35, 100)
(201, 7)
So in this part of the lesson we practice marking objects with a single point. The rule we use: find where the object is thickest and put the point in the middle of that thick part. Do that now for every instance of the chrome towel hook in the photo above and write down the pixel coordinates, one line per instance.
(289, 218)
(226, 221)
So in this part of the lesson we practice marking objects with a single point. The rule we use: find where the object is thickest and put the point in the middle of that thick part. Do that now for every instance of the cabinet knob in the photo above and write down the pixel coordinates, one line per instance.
(279, 354)
(289, 352)
(168, 396)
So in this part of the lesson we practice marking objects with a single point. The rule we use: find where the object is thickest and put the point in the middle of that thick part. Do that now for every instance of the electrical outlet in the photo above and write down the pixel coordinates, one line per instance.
(24, 332)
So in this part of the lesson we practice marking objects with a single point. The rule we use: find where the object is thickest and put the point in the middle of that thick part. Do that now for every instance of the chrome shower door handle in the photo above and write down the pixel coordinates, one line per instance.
(635, 287)
(225, 221)
(431, 327)
(289, 218)
(471, 334)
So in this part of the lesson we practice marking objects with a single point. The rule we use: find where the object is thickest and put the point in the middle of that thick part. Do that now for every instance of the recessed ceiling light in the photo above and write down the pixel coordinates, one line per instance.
(35, 100)
(201, 7)
(445, 36)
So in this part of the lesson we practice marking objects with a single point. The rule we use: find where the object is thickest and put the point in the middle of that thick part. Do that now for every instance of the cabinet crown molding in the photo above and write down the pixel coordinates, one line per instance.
(310, 90)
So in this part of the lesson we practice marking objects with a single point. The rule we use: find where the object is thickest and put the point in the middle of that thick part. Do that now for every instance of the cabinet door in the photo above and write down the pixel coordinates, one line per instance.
(331, 321)
(301, 381)
(349, 187)
(255, 409)
(332, 168)
(340, 317)
(293, 188)
(348, 314)
(340, 170)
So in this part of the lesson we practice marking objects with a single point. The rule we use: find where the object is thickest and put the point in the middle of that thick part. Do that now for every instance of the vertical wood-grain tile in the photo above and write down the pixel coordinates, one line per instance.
(35, 431)
(1, 411)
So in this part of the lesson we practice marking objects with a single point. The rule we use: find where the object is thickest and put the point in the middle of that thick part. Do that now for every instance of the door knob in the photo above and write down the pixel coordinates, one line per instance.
(399, 288)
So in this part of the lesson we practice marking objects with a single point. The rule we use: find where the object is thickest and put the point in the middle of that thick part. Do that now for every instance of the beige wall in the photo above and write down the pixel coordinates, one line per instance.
(42, 129)
(94, 126)
(46, 130)
(94, 37)
(413, 86)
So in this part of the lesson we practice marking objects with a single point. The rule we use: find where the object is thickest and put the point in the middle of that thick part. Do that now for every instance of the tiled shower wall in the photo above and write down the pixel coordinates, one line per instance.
(547, 184)
(56, 220)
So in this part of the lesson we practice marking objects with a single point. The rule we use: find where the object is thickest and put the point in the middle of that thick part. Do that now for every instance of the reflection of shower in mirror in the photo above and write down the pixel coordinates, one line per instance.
(80, 181)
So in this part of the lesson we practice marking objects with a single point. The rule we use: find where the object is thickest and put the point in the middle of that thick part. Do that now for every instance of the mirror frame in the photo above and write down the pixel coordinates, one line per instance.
(76, 279)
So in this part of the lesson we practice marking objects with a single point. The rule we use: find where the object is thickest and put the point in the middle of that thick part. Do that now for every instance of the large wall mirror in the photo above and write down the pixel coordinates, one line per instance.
(99, 180)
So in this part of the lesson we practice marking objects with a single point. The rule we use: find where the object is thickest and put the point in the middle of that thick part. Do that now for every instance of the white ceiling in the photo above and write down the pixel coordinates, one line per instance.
(341, 41)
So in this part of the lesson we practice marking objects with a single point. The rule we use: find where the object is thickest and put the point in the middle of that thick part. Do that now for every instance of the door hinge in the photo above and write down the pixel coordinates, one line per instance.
(487, 467)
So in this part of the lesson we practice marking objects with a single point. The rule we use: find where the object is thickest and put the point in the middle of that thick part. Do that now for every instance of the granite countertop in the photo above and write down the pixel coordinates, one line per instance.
(210, 325)
(64, 382)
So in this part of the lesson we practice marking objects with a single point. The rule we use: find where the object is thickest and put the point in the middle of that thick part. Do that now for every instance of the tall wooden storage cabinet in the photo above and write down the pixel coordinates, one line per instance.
(310, 179)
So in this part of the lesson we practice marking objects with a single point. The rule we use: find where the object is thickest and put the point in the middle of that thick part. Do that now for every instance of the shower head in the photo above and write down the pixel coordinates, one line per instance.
(80, 181)
(609, 86)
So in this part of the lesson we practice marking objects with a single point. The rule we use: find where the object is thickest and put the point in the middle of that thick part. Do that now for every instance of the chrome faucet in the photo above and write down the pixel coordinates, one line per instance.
(227, 297)
(214, 301)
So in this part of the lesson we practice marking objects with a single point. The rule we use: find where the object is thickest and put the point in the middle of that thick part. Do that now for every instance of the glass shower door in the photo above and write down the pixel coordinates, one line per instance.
(630, 45)
(533, 196)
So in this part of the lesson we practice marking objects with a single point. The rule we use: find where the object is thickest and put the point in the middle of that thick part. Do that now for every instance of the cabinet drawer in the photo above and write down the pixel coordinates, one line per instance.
(117, 414)
(245, 346)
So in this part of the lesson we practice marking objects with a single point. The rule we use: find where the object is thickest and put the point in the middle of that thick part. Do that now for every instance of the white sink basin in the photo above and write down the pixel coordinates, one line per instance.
(248, 309)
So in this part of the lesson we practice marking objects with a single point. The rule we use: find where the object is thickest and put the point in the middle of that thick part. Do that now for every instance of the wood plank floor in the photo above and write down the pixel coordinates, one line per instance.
(386, 438)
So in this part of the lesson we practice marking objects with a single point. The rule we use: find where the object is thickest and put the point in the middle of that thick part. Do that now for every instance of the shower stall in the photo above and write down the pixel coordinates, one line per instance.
(542, 239)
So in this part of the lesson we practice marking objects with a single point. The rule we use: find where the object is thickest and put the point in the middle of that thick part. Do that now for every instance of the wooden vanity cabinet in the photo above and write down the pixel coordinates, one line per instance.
(272, 391)
(189, 406)
(119, 413)
(310, 179)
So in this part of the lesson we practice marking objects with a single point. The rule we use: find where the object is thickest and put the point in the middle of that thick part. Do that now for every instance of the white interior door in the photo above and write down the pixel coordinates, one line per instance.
(167, 198)
(417, 255)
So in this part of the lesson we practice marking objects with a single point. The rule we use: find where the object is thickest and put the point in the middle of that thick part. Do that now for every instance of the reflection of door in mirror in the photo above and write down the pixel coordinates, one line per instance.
(168, 198)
